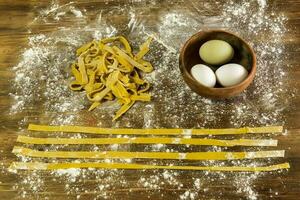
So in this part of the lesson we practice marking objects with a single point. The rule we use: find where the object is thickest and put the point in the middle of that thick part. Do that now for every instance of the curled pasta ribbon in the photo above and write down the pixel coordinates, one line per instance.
(107, 70)
(66, 165)
(144, 48)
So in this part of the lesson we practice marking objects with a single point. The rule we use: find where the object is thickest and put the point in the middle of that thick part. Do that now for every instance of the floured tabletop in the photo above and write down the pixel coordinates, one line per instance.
(38, 43)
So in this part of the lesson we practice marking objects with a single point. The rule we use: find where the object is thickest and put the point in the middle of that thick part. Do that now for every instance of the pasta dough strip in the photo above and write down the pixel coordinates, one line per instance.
(144, 48)
(148, 155)
(82, 71)
(141, 140)
(123, 109)
(56, 166)
(96, 130)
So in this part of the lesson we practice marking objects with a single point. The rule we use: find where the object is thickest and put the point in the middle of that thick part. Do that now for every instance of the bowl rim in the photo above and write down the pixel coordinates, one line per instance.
(187, 73)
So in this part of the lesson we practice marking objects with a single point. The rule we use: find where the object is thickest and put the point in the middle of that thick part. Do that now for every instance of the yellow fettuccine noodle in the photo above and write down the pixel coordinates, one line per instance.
(107, 70)
(158, 131)
(146, 140)
(56, 166)
(148, 155)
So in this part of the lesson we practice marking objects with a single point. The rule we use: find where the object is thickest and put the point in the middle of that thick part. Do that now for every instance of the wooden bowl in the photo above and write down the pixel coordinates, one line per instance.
(243, 55)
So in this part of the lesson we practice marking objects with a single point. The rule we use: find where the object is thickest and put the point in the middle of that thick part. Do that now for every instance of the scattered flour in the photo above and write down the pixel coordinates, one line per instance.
(43, 70)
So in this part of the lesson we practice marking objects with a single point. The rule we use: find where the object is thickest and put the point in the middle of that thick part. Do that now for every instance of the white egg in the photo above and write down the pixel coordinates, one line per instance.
(204, 75)
(231, 74)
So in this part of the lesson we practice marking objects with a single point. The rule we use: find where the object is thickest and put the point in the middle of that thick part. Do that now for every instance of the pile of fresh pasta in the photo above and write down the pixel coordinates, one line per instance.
(108, 70)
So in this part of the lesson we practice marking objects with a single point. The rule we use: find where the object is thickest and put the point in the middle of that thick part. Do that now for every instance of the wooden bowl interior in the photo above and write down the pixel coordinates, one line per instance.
(243, 55)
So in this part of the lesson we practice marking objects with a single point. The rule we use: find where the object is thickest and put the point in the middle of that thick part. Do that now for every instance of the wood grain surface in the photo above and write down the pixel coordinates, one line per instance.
(15, 16)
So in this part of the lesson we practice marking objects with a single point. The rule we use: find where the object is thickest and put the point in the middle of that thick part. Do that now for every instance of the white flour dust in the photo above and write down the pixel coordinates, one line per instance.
(44, 71)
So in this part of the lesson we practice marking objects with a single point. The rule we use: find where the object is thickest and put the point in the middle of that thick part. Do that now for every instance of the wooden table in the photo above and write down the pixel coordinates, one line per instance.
(15, 18)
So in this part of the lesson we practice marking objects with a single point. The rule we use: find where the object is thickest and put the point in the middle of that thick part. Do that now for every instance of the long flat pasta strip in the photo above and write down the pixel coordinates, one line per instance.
(148, 155)
(56, 166)
(96, 130)
(143, 140)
